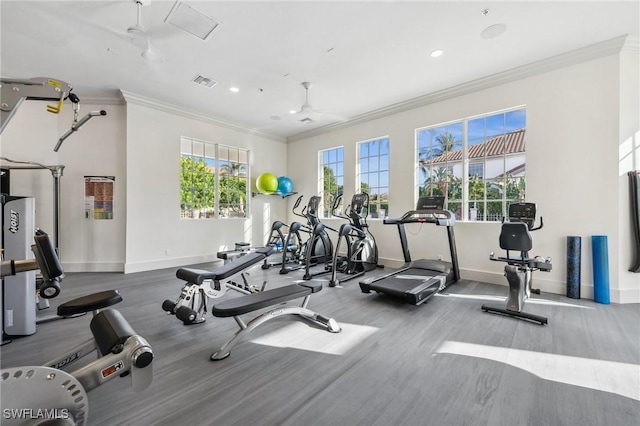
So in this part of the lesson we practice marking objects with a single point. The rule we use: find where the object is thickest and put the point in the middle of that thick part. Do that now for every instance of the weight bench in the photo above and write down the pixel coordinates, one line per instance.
(190, 307)
(270, 298)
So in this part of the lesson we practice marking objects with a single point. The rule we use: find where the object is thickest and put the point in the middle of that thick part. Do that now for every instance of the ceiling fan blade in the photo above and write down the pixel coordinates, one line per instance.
(151, 54)
(139, 39)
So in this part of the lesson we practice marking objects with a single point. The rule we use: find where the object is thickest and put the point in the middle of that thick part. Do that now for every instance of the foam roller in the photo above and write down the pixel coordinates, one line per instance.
(574, 252)
(600, 252)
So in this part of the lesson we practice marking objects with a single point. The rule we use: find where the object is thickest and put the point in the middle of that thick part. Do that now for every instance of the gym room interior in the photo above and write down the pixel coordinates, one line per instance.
(109, 107)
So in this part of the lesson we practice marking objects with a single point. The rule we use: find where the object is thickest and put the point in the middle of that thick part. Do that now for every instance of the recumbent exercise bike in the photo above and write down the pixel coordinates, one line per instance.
(50, 395)
(515, 236)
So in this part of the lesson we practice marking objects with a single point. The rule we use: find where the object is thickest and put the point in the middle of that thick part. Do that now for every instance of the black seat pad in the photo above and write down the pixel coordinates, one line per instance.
(197, 276)
(243, 304)
(89, 303)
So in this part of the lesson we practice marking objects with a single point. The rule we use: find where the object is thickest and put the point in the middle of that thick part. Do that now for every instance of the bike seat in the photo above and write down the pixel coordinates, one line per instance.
(89, 303)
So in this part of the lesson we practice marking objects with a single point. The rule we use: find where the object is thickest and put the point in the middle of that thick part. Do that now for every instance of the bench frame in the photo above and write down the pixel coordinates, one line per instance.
(191, 305)
(275, 297)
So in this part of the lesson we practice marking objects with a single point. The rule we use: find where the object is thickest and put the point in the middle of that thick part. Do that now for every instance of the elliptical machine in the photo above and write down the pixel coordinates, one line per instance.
(280, 243)
(362, 252)
(515, 236)
(316, 249)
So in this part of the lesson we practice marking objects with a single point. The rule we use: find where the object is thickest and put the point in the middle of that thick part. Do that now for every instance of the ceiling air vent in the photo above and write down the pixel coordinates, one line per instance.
(191, 20)
(204, 81)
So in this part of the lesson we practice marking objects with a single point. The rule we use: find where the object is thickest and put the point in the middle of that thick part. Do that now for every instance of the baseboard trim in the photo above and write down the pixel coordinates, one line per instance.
(93, 266)
(626, 295)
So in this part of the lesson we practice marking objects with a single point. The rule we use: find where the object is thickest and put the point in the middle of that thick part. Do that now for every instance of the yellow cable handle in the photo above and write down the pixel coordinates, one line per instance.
(55, 109)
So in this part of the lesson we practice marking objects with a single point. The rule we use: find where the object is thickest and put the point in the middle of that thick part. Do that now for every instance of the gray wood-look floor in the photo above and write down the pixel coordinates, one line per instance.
(404, 373)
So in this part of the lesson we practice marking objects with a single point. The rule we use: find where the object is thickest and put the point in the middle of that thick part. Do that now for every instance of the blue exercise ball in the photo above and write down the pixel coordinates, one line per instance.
(285, 185)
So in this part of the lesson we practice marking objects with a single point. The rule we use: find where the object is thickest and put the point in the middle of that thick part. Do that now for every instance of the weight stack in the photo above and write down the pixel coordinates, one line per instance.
(574, 254)
(600, 253)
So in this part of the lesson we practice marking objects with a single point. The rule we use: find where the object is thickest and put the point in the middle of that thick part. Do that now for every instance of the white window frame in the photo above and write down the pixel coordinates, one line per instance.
(466, 161)
(326, 205)
(211, 151)
(377, 203)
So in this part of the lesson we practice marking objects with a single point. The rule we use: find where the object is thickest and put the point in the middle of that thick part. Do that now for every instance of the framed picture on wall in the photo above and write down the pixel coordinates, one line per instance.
(98, 197)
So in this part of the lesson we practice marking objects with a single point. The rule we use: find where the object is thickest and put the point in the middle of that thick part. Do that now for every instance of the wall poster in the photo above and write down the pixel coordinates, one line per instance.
(98, 197)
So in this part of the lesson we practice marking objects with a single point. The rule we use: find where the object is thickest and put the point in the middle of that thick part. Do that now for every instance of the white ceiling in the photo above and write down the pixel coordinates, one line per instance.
(360, 56)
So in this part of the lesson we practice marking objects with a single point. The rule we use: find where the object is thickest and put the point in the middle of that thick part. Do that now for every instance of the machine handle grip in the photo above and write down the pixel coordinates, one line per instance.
(539, 227)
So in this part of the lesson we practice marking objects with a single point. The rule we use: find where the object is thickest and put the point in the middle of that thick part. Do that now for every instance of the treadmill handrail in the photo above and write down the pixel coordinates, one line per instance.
(439, 217)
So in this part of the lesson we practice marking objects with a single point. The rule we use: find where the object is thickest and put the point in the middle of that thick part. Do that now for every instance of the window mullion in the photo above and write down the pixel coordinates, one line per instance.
(216, 184)
(465, 172)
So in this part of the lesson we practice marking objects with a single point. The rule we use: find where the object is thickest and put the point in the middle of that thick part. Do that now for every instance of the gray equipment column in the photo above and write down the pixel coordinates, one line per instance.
(19, 291)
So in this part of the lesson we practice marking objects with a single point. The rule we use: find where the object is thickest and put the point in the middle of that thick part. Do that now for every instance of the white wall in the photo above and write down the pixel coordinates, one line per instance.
(572, 171)
(156, 237)
(629, 159)
(140, 146)
(97, 148)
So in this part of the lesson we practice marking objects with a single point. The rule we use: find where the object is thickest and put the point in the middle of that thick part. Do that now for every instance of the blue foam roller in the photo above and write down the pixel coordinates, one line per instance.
(574, 253)
(600, 253)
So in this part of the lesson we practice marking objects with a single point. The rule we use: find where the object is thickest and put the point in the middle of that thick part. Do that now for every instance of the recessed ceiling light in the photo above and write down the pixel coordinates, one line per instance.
(293, 111)
(436, 53)
(234, 89)
(493, 31)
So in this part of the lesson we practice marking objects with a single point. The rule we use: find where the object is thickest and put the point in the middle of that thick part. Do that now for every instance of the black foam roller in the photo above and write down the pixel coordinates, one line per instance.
(574, 255)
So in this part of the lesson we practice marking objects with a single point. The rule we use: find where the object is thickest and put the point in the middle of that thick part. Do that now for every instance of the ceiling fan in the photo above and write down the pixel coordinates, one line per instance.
(140, 37)
(306, 108)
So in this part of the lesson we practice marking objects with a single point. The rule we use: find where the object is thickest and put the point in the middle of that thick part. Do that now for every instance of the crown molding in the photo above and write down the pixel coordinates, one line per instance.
(584, 54)
(136, 99)
(115, 100)
(632, 44)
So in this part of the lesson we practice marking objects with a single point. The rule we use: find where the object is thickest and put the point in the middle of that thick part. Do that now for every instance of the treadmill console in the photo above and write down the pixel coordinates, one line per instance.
(430, 203)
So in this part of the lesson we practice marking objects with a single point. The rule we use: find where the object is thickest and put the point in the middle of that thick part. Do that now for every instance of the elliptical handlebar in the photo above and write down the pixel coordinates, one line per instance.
(296, 205)
(334, 209)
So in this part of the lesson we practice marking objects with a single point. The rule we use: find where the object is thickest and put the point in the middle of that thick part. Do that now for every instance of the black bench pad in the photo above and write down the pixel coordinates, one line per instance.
(253, 302)
(196, 276)
(91, 302)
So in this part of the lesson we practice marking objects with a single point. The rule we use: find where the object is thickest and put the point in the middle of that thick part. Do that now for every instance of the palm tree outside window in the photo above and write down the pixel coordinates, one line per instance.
(491, 148)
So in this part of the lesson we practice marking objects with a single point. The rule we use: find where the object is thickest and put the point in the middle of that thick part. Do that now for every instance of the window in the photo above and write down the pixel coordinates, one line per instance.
(492, 150)
(476, 170)
(440, 163)
(373, 174)
(331, 175)
(213, 178)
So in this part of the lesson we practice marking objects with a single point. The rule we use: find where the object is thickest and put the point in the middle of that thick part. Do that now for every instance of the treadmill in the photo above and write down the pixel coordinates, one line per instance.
(418, 280)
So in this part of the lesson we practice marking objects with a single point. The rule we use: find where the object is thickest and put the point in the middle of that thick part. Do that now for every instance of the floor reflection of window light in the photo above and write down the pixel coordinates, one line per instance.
(308, 338)
(490, 298)
(607, 376)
